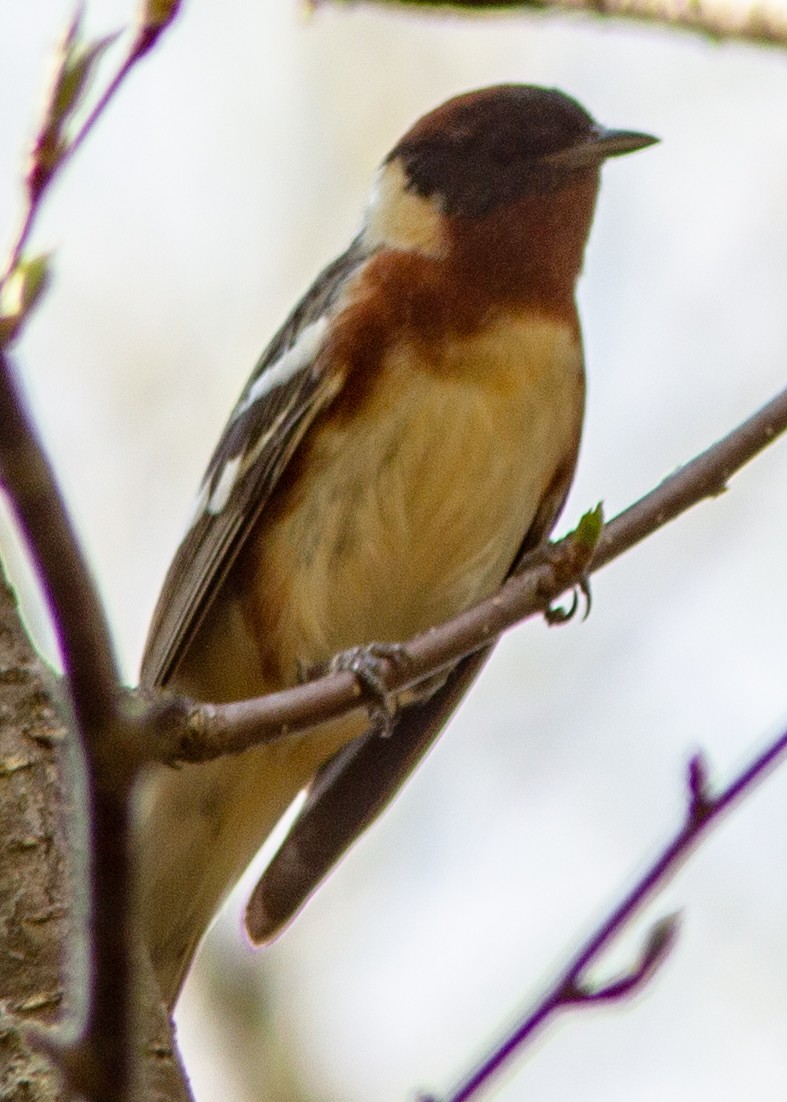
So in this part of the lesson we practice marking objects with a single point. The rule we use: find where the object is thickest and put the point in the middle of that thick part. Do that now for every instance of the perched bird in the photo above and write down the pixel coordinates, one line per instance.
(407, 436)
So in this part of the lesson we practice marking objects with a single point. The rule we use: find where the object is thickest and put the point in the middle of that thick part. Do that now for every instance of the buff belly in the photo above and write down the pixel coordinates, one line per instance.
(419, 510)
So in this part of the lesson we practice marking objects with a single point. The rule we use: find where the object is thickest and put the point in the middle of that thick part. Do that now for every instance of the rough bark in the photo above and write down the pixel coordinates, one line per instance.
(41, 963)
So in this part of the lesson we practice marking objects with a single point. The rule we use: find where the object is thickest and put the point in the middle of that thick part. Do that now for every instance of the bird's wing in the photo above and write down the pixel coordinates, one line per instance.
(286, 391)
(357, 784)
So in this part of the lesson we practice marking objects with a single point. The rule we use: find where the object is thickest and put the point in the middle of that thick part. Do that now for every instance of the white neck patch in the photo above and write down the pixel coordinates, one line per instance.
(399, 218)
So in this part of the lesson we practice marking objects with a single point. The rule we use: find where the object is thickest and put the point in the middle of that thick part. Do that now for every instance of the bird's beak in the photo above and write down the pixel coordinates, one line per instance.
(611, 143)
(600, 144)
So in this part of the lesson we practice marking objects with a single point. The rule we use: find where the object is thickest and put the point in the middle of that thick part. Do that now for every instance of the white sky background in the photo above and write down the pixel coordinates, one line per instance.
(233, 166)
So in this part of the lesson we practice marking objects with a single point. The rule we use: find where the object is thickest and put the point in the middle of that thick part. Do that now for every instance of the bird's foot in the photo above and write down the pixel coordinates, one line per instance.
(367, 663)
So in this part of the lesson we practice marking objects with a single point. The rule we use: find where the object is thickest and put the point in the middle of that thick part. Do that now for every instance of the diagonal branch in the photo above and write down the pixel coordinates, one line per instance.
(199, 732)
(703, 810)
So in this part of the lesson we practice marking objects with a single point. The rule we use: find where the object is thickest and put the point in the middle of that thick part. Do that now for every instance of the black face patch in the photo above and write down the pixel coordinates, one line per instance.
(486, 148)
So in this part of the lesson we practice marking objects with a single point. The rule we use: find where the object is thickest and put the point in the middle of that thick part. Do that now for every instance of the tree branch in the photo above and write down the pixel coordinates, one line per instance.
(80, 624)
(704, 809)
(764, 24)
(195, 732)
(98, 1061)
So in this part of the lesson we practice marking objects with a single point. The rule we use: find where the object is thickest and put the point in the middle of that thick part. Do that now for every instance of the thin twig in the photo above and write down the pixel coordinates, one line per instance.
(47, 158)
(145, 38)
(190, 731)
(570, 989)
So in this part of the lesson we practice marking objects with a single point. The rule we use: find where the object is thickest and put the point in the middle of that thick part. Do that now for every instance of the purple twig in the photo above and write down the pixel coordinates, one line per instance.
(569, 990)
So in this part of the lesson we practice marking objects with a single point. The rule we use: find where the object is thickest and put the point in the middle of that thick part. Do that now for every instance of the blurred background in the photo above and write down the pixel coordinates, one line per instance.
(233, 166)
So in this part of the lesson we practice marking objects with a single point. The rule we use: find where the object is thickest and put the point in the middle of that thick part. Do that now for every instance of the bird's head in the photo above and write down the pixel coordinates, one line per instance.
(483, 151)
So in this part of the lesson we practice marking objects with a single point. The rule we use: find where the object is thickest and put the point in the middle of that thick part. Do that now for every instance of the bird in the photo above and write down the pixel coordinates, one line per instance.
(407, 437)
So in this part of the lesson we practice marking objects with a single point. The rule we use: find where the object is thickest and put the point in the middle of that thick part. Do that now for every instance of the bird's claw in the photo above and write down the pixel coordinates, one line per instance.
(556, 614)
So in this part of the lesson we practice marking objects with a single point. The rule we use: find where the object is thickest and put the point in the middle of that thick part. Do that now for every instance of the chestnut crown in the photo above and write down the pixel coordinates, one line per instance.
(489, 147)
